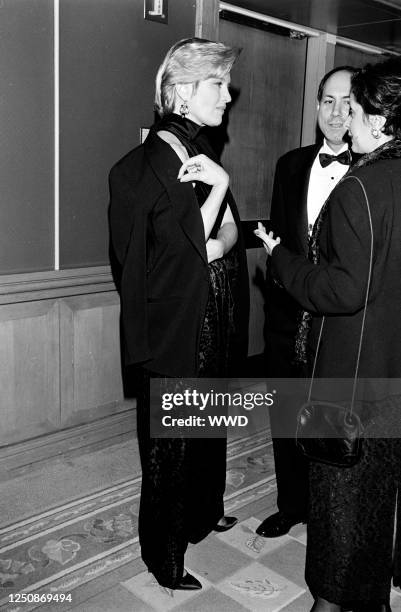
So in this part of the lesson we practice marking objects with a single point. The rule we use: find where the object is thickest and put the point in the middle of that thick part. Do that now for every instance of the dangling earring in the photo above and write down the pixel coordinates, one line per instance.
(184, 110)
(375, 133)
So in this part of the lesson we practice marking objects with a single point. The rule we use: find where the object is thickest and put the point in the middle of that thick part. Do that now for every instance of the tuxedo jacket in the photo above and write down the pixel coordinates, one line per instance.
(158, 239)
(289, 220)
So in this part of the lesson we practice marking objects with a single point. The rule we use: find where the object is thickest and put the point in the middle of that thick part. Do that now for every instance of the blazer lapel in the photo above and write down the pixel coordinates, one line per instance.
(301, 180)
(166, 165)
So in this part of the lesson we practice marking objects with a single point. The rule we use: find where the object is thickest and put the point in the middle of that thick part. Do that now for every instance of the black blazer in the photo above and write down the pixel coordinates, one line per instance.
(289, 220)
(162, 253)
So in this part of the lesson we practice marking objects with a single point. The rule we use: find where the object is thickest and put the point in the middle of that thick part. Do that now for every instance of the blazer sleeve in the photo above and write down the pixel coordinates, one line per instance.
(128, 226)
(121, 213)
(337, 285)
(278, 224)
(277, 210)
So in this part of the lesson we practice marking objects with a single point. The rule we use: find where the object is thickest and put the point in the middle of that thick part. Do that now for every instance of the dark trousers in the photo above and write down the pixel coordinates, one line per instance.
(290, 464)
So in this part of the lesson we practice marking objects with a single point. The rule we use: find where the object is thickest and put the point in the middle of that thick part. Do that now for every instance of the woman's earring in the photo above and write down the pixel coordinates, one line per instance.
(376, 133)
(184, 110)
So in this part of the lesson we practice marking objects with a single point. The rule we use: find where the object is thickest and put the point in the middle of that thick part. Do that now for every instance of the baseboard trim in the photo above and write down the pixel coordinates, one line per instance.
(19, 458)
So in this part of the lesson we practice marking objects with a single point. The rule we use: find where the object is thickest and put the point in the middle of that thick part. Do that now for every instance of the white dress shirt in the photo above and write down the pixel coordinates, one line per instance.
(322, 181)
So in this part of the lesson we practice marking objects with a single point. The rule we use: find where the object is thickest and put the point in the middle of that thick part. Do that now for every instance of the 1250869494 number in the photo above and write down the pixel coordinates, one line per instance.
(39, 597)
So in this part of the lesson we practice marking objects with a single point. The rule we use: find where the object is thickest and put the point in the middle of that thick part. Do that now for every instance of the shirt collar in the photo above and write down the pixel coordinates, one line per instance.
(326, 149)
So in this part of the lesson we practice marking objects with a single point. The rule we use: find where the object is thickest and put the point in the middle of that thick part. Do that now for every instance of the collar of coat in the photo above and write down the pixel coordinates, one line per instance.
(389, 150)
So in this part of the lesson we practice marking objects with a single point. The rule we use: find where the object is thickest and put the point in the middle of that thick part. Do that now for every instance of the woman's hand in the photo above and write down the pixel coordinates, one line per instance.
(268, 241)
(202, 168)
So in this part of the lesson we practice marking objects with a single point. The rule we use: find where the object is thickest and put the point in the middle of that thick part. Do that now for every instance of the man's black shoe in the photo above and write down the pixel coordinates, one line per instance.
(278, 524)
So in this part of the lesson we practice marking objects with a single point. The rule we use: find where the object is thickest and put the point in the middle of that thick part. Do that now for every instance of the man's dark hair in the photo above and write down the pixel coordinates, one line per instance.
(326, 77)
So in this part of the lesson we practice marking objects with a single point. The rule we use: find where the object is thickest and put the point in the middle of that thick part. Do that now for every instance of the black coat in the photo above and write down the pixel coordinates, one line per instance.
(162, 253)
(337, 286)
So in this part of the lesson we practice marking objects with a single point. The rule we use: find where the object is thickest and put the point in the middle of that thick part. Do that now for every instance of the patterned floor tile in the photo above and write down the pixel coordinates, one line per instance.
(259, 589)
(243, 538)
(211, 601)
(288, 561)
(303, 603)
(298, 532)
(395, 601)
(117, 599)
(145, 587)
(215, 560)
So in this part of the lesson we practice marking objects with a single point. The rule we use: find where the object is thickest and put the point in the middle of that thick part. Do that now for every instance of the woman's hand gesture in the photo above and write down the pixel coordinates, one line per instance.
(268, 241)
(202, 168)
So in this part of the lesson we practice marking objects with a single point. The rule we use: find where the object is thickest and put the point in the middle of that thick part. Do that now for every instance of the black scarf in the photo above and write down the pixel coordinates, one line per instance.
(190, 134)
(389, 150)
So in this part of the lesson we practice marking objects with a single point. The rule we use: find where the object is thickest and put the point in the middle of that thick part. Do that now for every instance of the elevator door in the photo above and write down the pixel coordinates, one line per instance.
(264, 123)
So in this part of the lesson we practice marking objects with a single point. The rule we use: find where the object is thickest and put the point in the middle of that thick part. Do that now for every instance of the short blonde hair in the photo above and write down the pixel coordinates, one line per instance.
(189, 61)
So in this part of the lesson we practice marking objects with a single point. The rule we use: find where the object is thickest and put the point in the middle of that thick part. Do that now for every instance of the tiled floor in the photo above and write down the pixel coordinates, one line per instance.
(239, 571)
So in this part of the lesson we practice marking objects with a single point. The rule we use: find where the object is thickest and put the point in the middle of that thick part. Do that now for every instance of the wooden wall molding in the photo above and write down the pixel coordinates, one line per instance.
(60, 365)
(30, 286)
(19, 458)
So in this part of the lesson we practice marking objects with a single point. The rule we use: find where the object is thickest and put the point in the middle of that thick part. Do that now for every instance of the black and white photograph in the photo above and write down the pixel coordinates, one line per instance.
(200, 305)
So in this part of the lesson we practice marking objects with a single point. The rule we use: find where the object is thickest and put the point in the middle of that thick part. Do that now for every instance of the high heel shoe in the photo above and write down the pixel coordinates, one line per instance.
(188, 583)
(225, 523)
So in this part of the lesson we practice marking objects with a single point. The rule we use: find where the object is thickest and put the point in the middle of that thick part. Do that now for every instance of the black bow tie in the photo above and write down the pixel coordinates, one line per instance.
(326, 159)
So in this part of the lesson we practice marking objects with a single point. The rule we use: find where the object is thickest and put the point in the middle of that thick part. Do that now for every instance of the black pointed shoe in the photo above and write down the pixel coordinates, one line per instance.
(278, 524)
(226, 523)
(188, 583)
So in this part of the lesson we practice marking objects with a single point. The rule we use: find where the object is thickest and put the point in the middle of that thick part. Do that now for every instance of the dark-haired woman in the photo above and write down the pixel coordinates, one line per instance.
(350, 553)
(184, 293)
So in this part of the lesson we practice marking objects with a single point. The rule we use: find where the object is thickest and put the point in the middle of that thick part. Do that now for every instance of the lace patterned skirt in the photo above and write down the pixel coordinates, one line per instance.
(183, 479)
(350, 554)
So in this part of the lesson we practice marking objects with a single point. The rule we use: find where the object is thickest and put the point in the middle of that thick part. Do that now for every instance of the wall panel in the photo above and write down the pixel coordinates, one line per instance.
(91, 385)
(26, 127)
(264, 123)
(108, 60)
(60, 366)
(348, 56)
(266, 115)
(29, 370)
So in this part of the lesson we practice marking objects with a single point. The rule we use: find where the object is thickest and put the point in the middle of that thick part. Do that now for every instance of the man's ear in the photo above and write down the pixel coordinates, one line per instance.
(184, 91)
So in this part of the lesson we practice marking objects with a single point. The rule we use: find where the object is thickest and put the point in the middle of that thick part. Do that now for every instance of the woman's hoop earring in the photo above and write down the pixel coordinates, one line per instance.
(376, 133)
(184, 110)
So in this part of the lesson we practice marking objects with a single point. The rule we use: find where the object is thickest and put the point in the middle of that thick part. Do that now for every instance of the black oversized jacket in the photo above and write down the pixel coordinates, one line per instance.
(164, 268)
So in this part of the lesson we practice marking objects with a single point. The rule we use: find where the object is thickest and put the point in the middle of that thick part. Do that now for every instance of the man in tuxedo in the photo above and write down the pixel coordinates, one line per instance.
(303, 180)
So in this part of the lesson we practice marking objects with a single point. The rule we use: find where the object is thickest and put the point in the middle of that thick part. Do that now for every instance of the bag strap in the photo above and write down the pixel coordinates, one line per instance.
(351, 176)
